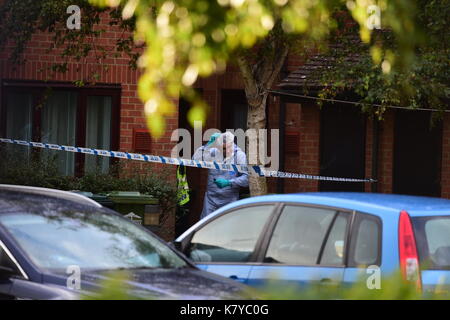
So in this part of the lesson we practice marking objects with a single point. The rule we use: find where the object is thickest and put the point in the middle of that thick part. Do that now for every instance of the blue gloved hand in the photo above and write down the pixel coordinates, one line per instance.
(213, 138)
(222, 183)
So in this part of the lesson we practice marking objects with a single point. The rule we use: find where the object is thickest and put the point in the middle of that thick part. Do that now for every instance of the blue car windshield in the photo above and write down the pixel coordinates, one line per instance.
(94, 240)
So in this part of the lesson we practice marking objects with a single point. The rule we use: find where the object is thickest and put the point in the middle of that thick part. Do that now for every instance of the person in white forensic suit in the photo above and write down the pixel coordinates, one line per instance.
(223, 186)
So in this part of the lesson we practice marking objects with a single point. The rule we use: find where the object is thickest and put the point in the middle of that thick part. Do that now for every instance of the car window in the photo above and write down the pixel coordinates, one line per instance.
(231, 237)
(60, 236)
(6, 262)
(333, 252)
(366, 241)
(437, 232)
(298, 235)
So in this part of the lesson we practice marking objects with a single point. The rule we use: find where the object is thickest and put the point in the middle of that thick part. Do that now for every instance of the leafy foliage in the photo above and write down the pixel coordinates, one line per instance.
(184, 40)
(187, 39)
(392, 287)
(424, 84)
(17, 168)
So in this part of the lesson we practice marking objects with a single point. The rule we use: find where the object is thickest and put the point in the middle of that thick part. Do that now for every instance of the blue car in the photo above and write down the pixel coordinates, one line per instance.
(324, 237)
(58, 245)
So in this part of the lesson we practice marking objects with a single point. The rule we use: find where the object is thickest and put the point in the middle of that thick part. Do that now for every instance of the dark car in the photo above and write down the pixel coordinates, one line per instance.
(48, 238)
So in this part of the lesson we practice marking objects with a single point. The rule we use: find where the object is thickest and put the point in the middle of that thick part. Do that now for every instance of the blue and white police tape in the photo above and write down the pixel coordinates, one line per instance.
(259, 170)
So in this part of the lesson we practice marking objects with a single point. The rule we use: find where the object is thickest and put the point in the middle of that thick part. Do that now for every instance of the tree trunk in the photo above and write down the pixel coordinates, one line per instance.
(258, 79)
(256, 119)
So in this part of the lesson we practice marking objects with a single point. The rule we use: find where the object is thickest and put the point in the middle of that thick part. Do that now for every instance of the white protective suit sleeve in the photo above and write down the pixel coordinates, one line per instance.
(241, 180)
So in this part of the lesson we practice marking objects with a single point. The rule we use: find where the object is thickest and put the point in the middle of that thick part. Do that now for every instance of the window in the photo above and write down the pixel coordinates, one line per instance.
(437, 232)
(6, 262)
(98, 131)
(231, 237)
(334, 250)
(234, 110)
(299, 234)
(433, 241)
(58, 119)
(84, 117)
(19, 119)
(366, 241)
(54, 237)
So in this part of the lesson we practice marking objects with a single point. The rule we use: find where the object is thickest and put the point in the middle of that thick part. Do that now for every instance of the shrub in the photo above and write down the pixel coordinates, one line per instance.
(17, 168)
(393, 287)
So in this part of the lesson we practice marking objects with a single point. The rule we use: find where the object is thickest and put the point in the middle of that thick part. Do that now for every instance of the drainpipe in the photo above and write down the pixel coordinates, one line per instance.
(282, 126)
(375, 147)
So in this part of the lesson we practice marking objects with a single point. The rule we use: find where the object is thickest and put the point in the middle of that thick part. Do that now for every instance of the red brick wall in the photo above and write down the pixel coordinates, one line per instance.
(309, 146)
(303, 119)
(386, 150)
(368, 155)
(118, 72)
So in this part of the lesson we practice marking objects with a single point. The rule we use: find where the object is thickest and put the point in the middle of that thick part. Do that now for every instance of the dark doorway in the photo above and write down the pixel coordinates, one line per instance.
(183, 123)
(189, 214)
(234, 110)
(417, 154)
(342, 146)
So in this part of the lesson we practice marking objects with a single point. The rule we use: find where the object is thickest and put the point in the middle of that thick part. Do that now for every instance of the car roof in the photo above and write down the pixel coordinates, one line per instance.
(375, 203)
(52, 193)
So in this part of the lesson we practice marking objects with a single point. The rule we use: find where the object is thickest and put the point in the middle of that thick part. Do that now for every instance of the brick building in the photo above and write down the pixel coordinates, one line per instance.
(402, 152)
(336, 140)
(107, 114)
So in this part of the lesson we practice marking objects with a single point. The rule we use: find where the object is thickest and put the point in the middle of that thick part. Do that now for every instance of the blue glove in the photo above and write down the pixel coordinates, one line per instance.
(222, 183)
(213, 138)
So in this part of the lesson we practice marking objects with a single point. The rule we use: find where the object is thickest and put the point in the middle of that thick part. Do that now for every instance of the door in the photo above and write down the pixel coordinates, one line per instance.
(307, 246)
(417, 154)
(234, 110)
(366, 249)
(226, 245)
(342, 147)
(194, 175)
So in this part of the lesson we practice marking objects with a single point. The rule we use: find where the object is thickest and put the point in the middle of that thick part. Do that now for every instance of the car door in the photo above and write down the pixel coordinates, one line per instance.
(307, 245)
(226, 244)
(366, 248)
